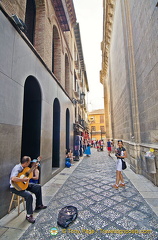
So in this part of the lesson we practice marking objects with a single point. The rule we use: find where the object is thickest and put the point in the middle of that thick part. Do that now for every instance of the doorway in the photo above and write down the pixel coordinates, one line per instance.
(67, 129)
(56, 134)
(31, 127)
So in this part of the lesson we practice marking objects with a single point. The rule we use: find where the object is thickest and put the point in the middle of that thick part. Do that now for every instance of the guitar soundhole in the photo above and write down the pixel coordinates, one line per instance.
(26, 174)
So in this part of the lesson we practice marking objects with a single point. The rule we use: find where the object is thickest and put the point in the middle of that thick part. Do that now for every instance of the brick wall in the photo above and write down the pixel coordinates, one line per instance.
(57, 53)
(47, 29)
(16, 7)
(40, 28)
(67, 74)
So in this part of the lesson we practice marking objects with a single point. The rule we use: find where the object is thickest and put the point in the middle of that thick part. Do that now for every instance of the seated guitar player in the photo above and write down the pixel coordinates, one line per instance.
(32, 187)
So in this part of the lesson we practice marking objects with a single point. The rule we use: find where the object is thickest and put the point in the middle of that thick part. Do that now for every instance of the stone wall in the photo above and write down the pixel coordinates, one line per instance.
(145, 35)
(18, 61)
(118, 80)
(130, 83)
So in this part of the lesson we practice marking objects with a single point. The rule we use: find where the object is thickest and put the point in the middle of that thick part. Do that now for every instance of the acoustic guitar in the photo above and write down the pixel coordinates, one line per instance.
(27, 172)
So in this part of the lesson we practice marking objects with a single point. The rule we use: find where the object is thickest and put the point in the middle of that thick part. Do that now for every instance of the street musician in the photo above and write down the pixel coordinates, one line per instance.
(19, 184)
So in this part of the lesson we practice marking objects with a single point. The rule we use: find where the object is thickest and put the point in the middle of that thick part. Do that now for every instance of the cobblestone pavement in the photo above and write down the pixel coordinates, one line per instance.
(100, 207)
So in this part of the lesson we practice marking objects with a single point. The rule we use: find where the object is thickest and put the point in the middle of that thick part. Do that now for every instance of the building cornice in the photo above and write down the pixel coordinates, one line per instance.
(108, 16)
(79, 45)
(71, 11)
(65, 13)
(80, 52)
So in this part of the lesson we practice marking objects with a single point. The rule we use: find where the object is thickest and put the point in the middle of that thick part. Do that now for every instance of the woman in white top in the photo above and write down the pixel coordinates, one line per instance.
(120, 154)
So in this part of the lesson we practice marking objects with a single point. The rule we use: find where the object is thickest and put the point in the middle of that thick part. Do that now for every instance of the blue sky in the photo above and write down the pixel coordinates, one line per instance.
(89, 14)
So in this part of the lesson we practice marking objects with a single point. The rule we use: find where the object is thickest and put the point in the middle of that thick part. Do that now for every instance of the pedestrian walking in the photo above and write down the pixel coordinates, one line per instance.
(101, 145)
(112, 146)
(109, 147)
(88, 150)
(98, 147)
(94, 143)
(120, 154)
(84, 145)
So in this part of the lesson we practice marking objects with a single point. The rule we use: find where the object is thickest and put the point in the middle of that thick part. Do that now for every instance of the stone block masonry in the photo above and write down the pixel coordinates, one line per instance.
(130, 82)
(103, 212)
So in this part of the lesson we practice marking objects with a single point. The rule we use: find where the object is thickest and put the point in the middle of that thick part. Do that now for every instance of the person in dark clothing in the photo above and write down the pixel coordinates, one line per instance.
(109, 147)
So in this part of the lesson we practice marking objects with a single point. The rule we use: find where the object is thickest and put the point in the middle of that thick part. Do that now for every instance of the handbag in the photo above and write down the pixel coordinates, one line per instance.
(124, 166)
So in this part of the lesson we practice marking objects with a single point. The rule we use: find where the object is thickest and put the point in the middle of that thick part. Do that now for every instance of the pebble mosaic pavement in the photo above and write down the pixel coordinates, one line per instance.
(100, 207)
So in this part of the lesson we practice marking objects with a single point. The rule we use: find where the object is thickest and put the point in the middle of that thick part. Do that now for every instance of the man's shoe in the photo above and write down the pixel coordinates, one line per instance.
(122, 185)
(40, 207)
(114, 186)
(30, 219)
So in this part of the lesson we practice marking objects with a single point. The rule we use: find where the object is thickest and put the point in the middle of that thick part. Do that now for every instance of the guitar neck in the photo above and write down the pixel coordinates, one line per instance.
(32, 168)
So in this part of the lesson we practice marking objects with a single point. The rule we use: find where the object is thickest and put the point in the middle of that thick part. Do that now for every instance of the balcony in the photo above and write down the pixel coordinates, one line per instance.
(78, 73)
(83, 104)
(76, 94)
(81, 83)
(85, 107)
(84, 124)
(78, 127)
(76, 65)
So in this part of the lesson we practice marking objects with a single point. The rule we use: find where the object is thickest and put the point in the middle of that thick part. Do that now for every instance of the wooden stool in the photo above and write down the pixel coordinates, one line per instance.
(16, 199)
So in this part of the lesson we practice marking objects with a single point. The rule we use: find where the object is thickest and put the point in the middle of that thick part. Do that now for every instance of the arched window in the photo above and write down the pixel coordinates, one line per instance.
(56, 54)
(56, 134)
(67, 129)
(31, 127)
(30, 19)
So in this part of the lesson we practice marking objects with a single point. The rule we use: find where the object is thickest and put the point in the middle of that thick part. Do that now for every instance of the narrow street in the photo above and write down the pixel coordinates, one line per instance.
(75, 74)
(100, 207)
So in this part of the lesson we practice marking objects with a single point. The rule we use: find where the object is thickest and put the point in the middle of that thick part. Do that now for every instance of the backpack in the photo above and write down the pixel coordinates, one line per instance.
(66, 216)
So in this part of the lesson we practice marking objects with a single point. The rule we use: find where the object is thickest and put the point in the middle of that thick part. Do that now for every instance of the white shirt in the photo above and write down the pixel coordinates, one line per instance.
(15, 171)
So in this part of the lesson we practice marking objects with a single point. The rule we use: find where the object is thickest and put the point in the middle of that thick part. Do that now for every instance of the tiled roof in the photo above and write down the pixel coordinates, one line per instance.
(98, 111)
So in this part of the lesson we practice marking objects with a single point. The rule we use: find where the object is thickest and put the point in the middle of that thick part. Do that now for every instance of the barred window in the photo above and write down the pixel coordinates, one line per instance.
(102, 128)
(93, 128)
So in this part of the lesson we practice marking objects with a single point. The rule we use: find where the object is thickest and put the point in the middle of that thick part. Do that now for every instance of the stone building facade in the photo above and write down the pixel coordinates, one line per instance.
(81, 87)
(37, 72)
(96, 122)
(129, 76)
